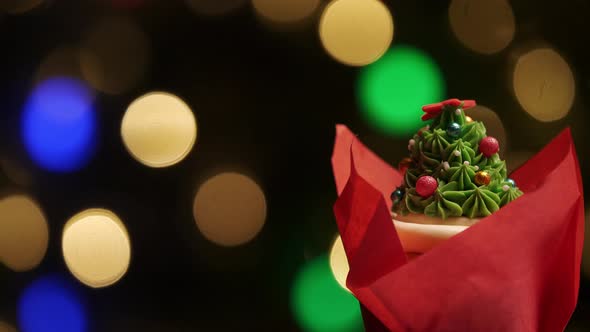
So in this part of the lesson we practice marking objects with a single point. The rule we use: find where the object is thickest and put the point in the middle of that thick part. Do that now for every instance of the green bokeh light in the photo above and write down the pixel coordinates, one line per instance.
(320, 304)
(393, 90)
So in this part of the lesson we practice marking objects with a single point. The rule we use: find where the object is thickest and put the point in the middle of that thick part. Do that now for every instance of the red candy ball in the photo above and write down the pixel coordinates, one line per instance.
(426, 186)
(488, 146)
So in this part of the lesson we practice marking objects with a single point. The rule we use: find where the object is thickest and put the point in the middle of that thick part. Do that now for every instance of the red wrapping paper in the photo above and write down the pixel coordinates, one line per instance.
(516, 270)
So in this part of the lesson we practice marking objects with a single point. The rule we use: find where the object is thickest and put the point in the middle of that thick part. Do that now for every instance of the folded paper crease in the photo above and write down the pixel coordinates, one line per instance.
(516, 270)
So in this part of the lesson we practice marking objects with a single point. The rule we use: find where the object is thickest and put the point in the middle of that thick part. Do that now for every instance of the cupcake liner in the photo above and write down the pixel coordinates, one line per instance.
(516, 270)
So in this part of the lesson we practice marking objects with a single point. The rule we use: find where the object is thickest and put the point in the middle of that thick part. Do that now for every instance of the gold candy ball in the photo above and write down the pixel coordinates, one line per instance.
(482, 178)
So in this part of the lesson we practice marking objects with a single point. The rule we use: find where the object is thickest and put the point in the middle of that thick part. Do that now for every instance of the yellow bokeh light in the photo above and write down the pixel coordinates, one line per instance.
(285, 11)
(356, 32)
(493, 123)
(96, 247)
(62, 61)
(24, 233)
(483, 26)
(230, 209)
(544, 84)
(14, 171)
(18, 6)
(339, 262)
(159, 129)
(214, 7)
(115, 55)
(5, 327)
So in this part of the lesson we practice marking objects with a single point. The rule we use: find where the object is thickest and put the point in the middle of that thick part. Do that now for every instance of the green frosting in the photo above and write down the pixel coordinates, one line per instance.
(509, 195)
(481, 203)
(435, 142)
(463, 176)
(454, 161)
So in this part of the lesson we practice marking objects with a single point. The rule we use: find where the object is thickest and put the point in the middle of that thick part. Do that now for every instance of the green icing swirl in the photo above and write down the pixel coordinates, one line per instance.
(494, 165)
(463, 175)
(429, 162)
(435, 141)
(473, 132)
(481, 203)
(441, 206)
(509, 195)
(415, 203)
(466, 153)
(411, 177)
(458, 194)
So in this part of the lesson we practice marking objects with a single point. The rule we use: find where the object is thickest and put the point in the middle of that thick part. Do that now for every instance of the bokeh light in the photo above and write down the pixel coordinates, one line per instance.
(61, 61)
(483, 26)
(339, 262)
(159, 129)
(15, 171)
(5, 327)
(492, 122)
(230, 209)
(320, 304)
(18, 6)
(356, 32)
(96, 247)
(50, 304)
(115, 55)
(285, 11)
(24, 233)
(59, 124)
(393, 90)
(544, 84)
(214, 7)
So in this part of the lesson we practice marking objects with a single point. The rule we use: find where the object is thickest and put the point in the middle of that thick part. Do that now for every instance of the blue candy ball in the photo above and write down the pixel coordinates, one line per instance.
(397, 195)
(511, 182)
(454, 129)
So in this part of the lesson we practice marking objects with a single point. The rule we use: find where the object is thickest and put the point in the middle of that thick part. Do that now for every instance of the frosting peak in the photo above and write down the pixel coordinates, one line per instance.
(471, 183)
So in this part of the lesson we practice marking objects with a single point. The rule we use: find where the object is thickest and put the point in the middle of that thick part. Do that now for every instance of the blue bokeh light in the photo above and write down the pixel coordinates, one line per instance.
(59, 124)
(51, 304)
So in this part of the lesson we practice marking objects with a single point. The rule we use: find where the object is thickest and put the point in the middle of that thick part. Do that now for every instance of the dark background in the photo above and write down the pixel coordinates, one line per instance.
(267, 101)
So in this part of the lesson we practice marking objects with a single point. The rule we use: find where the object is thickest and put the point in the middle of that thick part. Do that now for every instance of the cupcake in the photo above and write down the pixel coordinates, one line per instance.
(453, 177)
(526, 245)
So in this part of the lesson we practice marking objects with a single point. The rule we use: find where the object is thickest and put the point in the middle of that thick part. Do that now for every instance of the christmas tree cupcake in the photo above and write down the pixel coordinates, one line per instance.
(525, 245)
(454, 175)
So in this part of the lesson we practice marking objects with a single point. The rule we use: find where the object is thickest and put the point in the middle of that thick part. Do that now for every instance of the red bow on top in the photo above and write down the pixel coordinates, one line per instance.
(434, 110)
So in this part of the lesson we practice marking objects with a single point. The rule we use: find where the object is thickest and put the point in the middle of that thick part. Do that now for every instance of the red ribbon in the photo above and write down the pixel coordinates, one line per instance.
(434, 110)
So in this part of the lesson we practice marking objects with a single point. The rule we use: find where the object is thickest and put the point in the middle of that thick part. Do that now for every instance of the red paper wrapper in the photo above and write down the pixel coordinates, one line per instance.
(516, 270)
